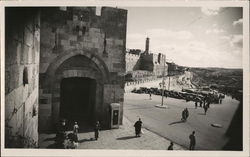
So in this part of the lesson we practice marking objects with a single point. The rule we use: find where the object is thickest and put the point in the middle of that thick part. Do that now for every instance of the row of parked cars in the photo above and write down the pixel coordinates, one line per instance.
(188, 95)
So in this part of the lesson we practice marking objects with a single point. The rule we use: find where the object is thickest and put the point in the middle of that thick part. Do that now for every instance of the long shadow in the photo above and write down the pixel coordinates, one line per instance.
(85, 140)
(126, 138)
(181, 121)
(201, 114)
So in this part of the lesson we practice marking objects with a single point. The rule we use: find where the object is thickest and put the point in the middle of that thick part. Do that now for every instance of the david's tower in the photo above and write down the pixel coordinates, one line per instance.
(147, 45)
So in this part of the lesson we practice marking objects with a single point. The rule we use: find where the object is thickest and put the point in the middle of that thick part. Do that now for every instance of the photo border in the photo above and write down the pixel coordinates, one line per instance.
(109, 153)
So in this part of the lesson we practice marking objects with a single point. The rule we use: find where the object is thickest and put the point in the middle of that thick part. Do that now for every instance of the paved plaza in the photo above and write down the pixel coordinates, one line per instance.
(122, 138)
(167, 122)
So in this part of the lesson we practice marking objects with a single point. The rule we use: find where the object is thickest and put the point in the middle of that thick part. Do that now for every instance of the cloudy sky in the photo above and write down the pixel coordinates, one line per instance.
(189, 36)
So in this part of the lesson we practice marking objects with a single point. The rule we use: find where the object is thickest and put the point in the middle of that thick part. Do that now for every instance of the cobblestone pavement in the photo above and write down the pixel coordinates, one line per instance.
(122, 138)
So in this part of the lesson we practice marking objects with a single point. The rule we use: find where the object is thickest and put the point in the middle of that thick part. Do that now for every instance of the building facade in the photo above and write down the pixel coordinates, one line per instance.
(62, 63)
(82, 64)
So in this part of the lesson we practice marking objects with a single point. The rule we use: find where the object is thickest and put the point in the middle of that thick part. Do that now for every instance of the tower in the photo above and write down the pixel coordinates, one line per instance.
(147, 45)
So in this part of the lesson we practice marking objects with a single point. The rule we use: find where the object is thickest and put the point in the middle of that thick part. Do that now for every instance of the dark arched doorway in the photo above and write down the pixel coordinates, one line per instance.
(77, 101)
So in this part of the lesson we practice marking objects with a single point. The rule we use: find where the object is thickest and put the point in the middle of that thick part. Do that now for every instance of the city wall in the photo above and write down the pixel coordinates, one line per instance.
(22, 52)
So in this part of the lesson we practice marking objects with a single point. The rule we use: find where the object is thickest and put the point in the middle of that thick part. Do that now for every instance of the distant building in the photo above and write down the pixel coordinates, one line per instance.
(137, 60)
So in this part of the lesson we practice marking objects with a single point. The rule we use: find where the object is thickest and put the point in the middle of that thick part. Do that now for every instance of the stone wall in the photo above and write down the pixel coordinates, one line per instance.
(100, 39)
(22, 48)
(132, 62)
(147, 62)
(154, 63)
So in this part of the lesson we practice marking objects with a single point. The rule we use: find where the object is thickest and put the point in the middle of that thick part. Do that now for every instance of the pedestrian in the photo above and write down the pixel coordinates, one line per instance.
(96, 129)
(71, 142)
(75, 130)
(150, 95)
(220, 100)
(61, 134)
(170, 147)
(192, 141)
(183, 115)
(200, 103)
(138, 125)
(196, 104)
(208, 104)
(186, 114)
(205, 109)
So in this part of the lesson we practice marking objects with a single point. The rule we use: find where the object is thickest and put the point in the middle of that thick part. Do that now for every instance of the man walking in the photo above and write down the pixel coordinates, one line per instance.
(183, 115)
(138, 125)
(96, 129)
(205, 109)
(75, 131)
(150, 96)
(186, 113)
(192, 141)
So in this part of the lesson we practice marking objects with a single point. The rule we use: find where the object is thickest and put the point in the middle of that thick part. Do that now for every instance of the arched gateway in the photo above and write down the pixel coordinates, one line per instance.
(76, 80)
(82, 65)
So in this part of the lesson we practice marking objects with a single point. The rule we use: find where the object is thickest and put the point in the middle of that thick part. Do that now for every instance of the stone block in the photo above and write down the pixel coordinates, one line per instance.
(63, 36)
(43, 67)
(45, 110)
(94, 30)
(60, 31)
(12, 50)
(118, 42)
(65, 42)
(72, 38)
(29, 55)
(73, 43)
(75, 18)
(28, 37)
(95, 40)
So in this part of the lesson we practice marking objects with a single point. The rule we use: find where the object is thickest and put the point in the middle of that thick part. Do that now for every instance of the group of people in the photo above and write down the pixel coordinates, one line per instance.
(70, 140)
(206, 105)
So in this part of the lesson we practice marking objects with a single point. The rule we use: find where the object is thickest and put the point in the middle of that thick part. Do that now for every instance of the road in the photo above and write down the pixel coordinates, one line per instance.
(166, 122)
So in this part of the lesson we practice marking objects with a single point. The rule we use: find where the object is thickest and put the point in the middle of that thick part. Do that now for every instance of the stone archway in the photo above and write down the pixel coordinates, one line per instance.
(70, 53)
(77, 64)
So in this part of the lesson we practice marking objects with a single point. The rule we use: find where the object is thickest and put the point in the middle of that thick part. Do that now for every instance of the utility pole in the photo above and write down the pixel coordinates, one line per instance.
(168, 83)
(162, 85)
(163, 81)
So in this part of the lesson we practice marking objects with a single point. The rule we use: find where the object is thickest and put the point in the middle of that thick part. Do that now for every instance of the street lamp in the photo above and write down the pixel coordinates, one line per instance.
(162, 84)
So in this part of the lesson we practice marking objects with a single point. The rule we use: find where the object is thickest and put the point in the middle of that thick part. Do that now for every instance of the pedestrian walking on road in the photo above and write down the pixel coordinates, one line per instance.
(75, 130)
(200, 103)
(138, 125)
(96, 129)
(192, 141)
(170, 147)
(183, 115)
(186, 113)
(205, 109)
(150, 96)
(196, 104)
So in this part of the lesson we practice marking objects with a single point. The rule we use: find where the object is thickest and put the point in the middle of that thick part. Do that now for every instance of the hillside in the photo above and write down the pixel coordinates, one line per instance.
(225, 80)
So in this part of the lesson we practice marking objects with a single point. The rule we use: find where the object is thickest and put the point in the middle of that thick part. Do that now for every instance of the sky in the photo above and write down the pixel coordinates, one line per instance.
(189, 36)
